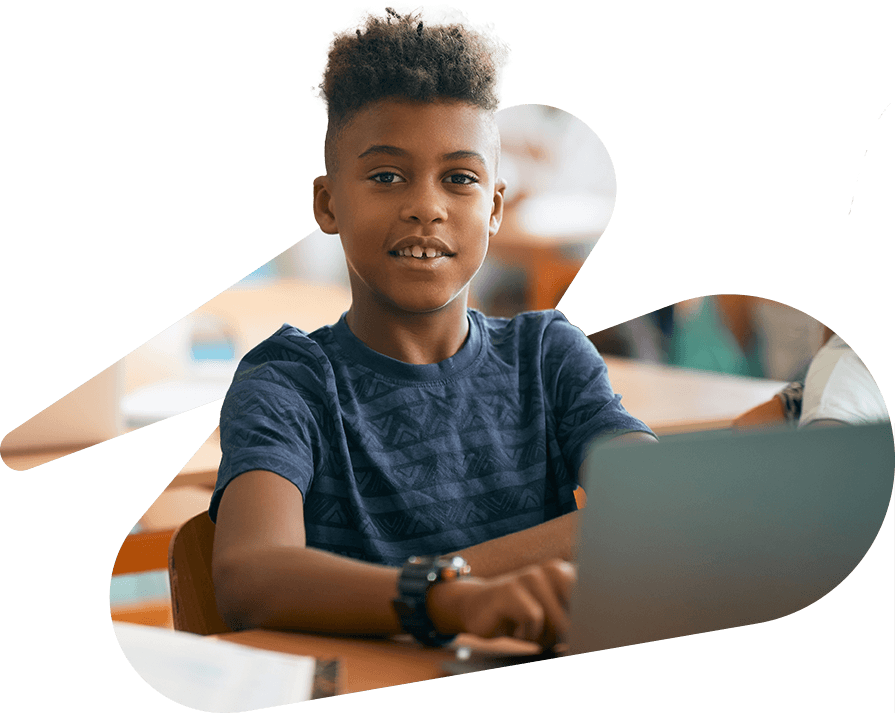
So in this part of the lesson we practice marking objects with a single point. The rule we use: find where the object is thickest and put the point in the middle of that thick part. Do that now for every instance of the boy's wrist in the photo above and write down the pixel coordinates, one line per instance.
(445, 606)
(416, 580)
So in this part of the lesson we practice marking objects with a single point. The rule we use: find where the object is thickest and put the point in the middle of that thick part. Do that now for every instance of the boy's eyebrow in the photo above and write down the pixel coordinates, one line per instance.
(383, 148)
(455, 155)
(396, 151)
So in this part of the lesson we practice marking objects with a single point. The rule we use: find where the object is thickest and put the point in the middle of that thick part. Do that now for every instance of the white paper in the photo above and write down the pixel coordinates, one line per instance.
(214, 675)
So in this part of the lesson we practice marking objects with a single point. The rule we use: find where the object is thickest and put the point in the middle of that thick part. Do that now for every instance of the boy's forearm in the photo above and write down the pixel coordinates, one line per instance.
(555, 539)
(308, 590)
(311, 590)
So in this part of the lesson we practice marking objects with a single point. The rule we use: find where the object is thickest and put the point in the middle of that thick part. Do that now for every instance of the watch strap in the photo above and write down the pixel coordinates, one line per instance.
(418, 576)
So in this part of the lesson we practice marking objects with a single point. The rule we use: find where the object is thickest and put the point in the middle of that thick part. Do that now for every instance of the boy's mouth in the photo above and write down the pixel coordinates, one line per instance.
(419, 253)
(421, 248)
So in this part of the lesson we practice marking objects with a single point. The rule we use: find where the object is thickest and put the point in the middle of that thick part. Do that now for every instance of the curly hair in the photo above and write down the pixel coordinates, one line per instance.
(399, 56)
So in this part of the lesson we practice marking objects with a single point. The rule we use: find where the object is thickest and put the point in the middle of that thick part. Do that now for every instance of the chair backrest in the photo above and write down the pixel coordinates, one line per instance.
(189, 569)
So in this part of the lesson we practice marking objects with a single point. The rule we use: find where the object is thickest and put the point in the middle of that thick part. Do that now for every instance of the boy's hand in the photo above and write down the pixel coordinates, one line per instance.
(531, 604)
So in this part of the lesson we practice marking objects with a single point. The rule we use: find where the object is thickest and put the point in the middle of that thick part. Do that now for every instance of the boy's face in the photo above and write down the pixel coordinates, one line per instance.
(414, 199)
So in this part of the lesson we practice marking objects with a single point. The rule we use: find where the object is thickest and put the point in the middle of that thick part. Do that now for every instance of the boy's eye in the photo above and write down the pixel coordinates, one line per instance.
(462, 179)
(386, 177)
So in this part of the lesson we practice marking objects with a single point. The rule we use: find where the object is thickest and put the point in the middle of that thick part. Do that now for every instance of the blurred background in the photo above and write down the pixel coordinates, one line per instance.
(730, 334)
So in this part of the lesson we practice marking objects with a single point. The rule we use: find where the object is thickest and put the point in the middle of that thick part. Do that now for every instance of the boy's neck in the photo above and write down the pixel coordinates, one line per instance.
(426, 338)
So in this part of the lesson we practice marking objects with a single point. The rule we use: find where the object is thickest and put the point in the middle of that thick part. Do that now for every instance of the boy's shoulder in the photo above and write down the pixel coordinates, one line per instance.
(289, 351)
(286, 343)
(543, 327)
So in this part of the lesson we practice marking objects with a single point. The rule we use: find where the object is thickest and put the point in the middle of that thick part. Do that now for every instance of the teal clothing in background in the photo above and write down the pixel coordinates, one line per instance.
(703, 341)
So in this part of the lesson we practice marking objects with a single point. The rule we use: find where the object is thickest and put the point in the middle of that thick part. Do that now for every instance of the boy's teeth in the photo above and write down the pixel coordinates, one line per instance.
(419, 252)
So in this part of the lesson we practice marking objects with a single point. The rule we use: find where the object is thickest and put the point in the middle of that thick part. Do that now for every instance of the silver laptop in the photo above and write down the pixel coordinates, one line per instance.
(710, 531)
(715, 530)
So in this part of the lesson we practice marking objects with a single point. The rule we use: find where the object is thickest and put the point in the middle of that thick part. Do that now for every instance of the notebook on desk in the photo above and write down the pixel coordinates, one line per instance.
(709, 531)
(207, 674)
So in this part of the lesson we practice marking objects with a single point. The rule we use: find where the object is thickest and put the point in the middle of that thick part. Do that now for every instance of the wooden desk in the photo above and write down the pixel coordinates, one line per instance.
(202, 469)
(26, 460)
(254, 312)
(249, 313)
(189, 493)
(366, 664)
(674, 400)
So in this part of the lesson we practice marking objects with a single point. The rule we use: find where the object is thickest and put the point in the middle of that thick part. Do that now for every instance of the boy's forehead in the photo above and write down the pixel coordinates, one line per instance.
(421, 130)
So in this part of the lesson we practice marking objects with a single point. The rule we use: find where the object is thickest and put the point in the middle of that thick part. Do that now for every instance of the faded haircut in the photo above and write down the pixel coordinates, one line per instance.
(401, 57)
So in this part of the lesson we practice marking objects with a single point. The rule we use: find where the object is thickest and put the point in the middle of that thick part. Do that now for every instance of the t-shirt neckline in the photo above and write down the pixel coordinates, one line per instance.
(385, 366)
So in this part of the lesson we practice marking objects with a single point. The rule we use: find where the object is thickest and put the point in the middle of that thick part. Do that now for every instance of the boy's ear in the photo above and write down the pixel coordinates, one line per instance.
(323, 210)
(500, 186)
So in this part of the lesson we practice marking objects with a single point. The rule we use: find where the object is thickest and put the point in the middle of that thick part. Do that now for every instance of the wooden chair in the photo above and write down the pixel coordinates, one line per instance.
(189, 570)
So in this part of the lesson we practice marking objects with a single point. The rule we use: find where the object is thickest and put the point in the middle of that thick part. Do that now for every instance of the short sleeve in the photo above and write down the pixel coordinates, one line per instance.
(269, 421)
(839, 387)
(579, 393)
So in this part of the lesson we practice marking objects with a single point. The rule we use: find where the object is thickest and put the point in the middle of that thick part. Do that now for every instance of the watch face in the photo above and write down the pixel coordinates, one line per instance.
(454, 568)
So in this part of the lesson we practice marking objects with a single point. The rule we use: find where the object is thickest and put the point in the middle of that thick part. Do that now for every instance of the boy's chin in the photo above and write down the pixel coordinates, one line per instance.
(430, 304)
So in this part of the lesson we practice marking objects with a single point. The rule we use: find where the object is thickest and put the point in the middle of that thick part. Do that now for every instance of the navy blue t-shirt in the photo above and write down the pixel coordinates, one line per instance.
(395, 459)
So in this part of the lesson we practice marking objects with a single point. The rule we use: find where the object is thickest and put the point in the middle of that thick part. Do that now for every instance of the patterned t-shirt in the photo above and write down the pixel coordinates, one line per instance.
(394, 459)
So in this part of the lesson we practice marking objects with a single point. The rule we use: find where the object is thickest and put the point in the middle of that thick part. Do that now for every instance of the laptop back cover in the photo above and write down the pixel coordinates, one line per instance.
(708, 531)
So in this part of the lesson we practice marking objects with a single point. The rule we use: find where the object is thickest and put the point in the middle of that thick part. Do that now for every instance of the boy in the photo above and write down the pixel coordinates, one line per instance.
(356, 455)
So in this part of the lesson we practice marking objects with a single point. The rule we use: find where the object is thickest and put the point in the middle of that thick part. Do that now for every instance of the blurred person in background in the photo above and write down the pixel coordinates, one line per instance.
(837, 389)
(731, 334)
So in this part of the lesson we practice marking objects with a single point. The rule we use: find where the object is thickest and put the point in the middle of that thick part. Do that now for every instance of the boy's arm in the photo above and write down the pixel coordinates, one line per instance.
(265, 577)
(554, 539)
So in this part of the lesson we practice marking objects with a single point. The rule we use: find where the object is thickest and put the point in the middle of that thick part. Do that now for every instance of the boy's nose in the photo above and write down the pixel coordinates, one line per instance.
(425, 204)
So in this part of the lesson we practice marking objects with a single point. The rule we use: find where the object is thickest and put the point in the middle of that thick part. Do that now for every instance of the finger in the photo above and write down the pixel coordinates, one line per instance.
(506, 609)
(504, 627)
(527, 631)
(556, 619)
(563, 576)
(528, 614)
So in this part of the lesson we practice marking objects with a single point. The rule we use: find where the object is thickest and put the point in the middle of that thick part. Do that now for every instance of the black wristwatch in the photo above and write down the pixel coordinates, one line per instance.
(417, 577)
(791, 398)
